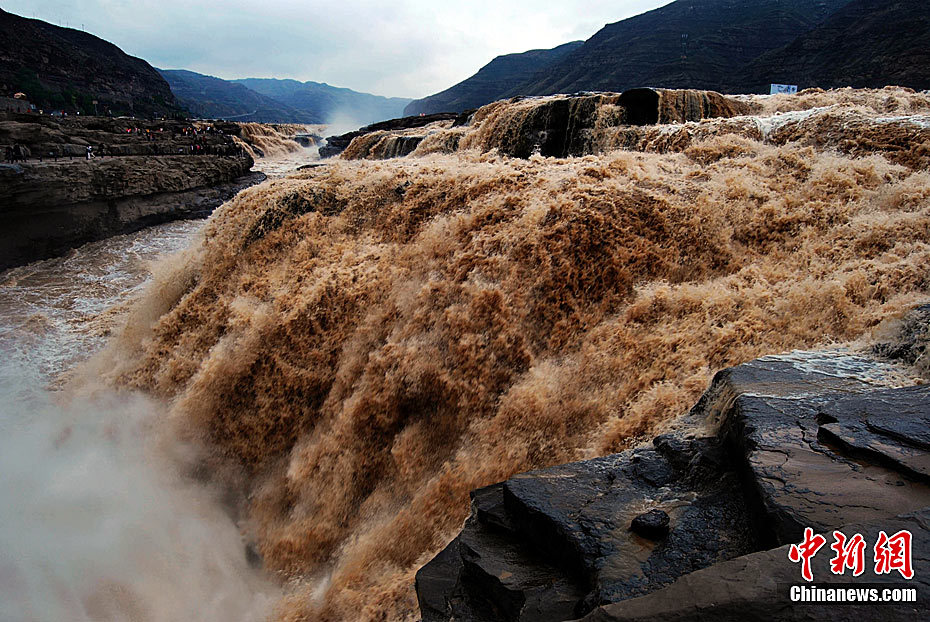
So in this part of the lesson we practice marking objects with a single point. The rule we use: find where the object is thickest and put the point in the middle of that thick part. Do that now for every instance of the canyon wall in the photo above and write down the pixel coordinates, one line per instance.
(696, 524)
(53, 198)
(48, 208)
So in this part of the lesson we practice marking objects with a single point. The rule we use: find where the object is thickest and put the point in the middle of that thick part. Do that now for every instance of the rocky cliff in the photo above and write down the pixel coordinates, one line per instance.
(697, 524)
(51, 207)
(66, 69)
(142, 173)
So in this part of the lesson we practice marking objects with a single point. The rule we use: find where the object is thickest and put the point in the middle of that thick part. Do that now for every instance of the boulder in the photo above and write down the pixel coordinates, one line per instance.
(697, 525)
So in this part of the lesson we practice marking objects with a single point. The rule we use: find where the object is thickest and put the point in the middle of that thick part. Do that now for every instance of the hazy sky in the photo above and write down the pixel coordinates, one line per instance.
(406, 48)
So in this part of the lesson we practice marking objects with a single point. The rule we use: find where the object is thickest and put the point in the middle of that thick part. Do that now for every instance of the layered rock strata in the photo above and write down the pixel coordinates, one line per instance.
(50, 207)
(142, 173)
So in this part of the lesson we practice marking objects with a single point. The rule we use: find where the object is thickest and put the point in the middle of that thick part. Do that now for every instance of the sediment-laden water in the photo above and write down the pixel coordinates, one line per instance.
(103, 515)
(368, 341)
(343, 354)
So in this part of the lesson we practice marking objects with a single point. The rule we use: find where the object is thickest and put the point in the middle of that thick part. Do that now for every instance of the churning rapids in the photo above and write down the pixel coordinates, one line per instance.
(101, 516)
(340, 356)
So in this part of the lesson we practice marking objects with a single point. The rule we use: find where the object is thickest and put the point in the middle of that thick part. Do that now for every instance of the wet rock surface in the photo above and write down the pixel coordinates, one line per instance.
(758, 586)
(697, 525)
(653, 525)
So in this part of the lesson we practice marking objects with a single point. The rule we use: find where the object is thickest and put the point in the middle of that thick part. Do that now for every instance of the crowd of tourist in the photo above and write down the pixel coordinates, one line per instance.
(189, 140)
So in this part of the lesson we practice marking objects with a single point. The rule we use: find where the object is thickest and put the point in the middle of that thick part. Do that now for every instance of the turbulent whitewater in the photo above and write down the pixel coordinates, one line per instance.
(105, 513)
(360, 344)
(100, 518)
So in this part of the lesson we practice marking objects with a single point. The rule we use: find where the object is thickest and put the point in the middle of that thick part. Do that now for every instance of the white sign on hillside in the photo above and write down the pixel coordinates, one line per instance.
(784, 88)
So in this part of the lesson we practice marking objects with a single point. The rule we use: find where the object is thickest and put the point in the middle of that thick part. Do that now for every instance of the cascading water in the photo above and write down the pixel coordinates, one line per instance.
(104, 515)
(348, 351)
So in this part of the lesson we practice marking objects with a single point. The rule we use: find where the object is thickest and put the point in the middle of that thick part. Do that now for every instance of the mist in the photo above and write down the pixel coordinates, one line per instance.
(99, 523)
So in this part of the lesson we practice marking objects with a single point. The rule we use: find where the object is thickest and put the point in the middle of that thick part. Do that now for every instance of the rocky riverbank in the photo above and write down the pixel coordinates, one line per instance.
(49, 208)
(142, 173)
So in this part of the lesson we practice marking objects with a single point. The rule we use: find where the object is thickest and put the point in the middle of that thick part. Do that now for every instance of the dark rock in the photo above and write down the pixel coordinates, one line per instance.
(50, 208)
(824, 440)
(652, 525)
(576, 519)
(885, 427)
(492, 82)
(865, 44)
(438, 585)
(485, 576)
(464, 117)
(684, 44)
(773, 422)
(911, 342)
(506, 582)
(758, 586)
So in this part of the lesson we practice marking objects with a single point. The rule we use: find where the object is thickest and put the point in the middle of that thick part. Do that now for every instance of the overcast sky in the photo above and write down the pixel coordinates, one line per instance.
(405, 48)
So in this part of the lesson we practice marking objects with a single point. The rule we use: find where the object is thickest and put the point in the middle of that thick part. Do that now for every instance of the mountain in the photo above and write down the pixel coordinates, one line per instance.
(214, 98)
(66, 69)
(491, 82)
(695, 44)
(329, 104)
(867, 43)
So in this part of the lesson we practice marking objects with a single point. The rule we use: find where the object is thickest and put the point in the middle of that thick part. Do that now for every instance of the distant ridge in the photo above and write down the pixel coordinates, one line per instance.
(491, 82)
(328, 104)
(284, 101)
(731, 46)
(67, 69)
(214, 98)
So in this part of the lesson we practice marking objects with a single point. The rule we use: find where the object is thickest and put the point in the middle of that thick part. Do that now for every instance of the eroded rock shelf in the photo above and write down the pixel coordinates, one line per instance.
(833, 439)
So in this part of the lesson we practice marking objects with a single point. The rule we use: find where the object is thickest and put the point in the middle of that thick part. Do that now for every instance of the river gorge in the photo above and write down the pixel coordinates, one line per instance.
(332, 395)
